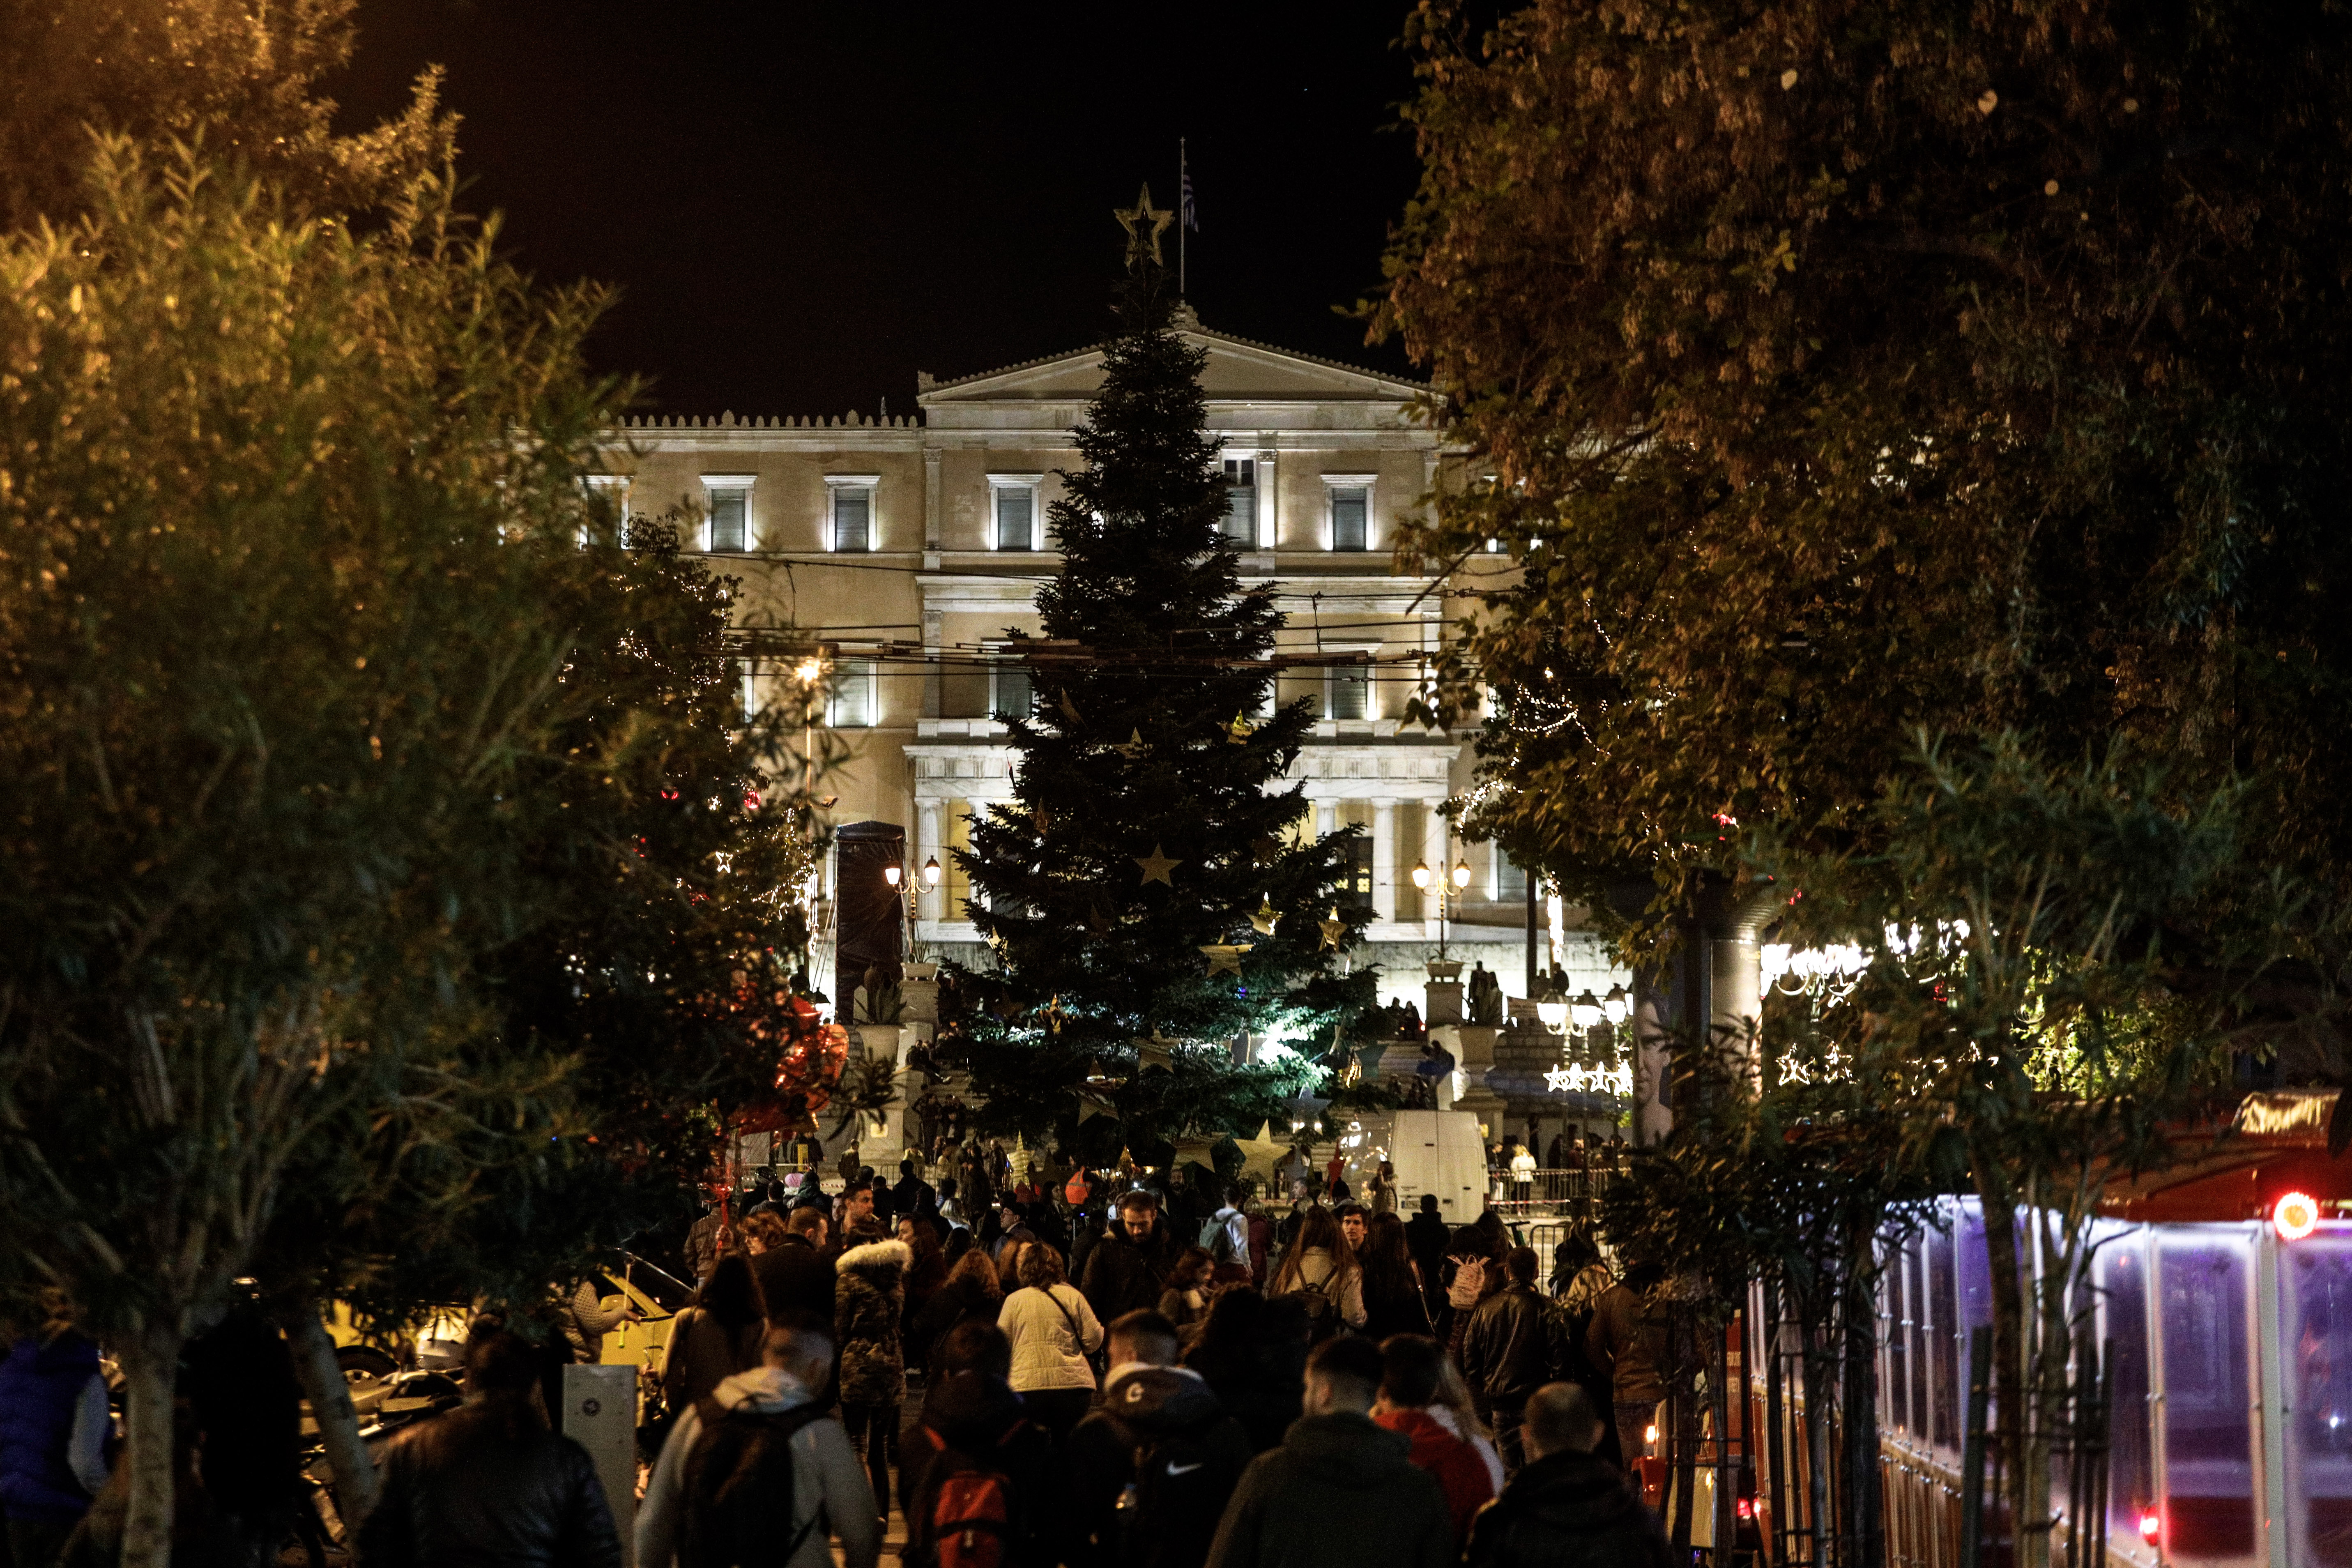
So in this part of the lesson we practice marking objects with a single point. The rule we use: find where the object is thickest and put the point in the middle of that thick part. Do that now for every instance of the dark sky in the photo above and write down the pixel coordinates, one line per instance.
(805, 204)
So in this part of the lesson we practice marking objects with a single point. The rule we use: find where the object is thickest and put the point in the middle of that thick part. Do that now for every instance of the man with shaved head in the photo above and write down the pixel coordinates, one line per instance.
(1565, 1509)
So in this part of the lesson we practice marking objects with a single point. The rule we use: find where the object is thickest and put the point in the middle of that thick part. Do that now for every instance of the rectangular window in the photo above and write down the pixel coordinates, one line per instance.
(1347, 691)
(1356, 889)
(955, 886)
(2209, 1457)
(729, 509)
(1012, 698)
(853, 704)
(1016, 517)
(1350, 506)
(751, 701)
(609, 496)
(1510, 880)
(853, 518)
(2122, 1272)
(1241, 502)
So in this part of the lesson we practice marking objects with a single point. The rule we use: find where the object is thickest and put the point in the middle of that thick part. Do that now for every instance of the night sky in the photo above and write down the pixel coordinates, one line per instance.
(803, 205)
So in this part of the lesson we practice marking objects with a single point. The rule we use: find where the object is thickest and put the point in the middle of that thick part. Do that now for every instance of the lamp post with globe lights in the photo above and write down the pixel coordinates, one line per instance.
(1422, 877)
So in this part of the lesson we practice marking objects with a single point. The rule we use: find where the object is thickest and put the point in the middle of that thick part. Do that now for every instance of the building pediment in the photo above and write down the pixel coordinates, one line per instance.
(1238, 371)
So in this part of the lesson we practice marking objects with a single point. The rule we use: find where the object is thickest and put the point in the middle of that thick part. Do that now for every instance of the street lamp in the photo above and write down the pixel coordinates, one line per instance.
(892, 873)
(1552, 1010)
(1422, 877)
(932, 872)
(1585, 1009)
(1461, 876)
(1617, 1005)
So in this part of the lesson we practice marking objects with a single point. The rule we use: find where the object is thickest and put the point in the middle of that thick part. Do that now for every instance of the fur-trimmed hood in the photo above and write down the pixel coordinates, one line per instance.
(876, 1256)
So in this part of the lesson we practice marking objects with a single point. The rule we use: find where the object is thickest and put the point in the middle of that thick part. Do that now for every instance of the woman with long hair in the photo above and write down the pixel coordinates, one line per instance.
(1320, 1271)
(970, 1293)
(1393, 1299)
(1053, 1332)
(717, 1337)
(925, 1272)
(1185, 1301)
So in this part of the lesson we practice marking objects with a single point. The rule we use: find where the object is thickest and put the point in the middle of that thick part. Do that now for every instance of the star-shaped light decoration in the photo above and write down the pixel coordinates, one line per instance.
(1193, 1149)
(1263, 1153)
(1333, 929)
(1225, 957)
(1156, 867)
(1134, 749)
(1560, 1079)
(1154, 1052)
(1240, 730)
(1091, 1106)
(1263, 922)
(1143, 223)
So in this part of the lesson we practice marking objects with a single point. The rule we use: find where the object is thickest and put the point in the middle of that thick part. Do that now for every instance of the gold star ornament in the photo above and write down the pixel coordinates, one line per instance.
(1263, 922)
(1134, 749)
(1225, 957)
(1144, 224)
(1156, 867)
(1262, 1154)
(1333, 929)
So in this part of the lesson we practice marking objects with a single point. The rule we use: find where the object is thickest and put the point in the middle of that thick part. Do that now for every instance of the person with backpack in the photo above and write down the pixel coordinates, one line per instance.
(868, 1319)
(1412, 1372)
(715, 1338)
(1148, 1473)
(1320, 1272)
(756, 1471)
(1226, 1234)
(1052, 1331)
(1340, 1492)
(977, 1470)
(1252, 1355)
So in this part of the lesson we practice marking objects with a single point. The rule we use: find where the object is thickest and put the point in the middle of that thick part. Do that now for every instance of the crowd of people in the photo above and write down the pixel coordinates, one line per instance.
(1153, 1372)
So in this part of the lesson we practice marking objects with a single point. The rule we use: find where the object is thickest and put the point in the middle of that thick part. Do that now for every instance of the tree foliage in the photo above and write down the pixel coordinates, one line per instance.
(1834, 370)
(1150, 739)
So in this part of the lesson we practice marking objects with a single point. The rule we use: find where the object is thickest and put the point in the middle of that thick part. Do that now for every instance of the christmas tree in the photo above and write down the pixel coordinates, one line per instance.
(1153, 883)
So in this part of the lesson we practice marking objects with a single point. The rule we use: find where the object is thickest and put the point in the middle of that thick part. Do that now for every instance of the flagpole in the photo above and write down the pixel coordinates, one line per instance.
(1183, 175)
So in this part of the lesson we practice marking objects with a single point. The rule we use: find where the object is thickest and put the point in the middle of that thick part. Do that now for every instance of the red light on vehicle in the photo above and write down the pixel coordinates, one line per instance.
(2295, 1217)
(2151, 1525)
(1748, 1508)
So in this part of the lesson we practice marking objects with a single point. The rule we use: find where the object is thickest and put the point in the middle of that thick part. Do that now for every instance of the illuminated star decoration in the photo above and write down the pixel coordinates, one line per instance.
(1153, 1052)
(1263, 1152)
(1225, 957)
(1156, 867)
(1091, 1106)
(1263, 922)
(1239, 731)
(1134, 749)
(1193, 1149)
(1558, 1078)
(1333, 929)
(1138, 220)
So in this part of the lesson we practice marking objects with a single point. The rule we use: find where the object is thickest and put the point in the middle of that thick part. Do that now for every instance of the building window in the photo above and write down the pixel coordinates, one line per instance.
(1347, 691)
(729, 529)
(854, 703)
(1014, 499)
(1510, 880)
(1241, 502)
(608, 497)
(1010, 695)
(852, 498)
(750, 697)
(1348, 497)
(955, 884)
(1356, 876)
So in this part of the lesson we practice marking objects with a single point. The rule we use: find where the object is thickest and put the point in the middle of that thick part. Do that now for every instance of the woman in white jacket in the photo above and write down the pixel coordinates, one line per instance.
(1053, 1332)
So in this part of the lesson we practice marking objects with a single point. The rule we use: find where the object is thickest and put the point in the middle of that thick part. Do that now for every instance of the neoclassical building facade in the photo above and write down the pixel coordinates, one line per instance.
(913, 547)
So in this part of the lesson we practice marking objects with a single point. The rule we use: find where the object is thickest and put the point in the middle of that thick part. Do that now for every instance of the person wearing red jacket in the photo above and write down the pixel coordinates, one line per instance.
(1468, 1471)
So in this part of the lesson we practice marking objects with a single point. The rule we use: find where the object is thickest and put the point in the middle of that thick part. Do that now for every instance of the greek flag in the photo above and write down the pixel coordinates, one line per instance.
(1192, 218)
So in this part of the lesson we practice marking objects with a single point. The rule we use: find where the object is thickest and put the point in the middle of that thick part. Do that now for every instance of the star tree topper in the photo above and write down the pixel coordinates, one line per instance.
(1333, 929)
(1144, 224)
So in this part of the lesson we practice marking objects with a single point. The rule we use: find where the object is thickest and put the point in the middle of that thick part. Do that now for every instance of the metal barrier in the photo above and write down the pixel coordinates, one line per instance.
(1571, 1195)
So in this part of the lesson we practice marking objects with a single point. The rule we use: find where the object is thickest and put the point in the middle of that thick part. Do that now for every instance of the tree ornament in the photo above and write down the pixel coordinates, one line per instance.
(1134, 749)
(1193, 1149)
(1263, 921)
(1155, 1052)
(1156, 867)
(1091, 1106)
(1225, 957)
(1333, 929)
(1240, 730)
(1264, 1152)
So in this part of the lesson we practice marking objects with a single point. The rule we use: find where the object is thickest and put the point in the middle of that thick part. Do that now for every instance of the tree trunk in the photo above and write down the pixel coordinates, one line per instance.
(1819, 1371)
(1683, 1413)
(1862, 1519)
(2029, 1547)
(323, 1384)
(150, 1360)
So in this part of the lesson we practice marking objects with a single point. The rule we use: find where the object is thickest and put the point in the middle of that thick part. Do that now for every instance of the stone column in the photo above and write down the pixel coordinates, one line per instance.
(931, 664)
(1266, 539)
(930, 843)
(1432, 851)
(1326, 817)
(931, 501)
(1384, 857)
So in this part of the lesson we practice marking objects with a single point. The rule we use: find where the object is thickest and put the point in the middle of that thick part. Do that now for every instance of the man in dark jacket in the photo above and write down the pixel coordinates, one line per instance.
(1565, 1509)
(970, 1413)
(796, 1276)
(488, 1482)
(1425, 1237)
(1506, 1351)
(1161, 1431)
(1341, 1491)
(1627, 1343)
(1128, 1269)
(912, 1193)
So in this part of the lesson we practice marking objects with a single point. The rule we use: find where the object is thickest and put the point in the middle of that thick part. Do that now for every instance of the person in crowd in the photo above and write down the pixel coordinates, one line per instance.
(868, 1310)
(487, 1482)
(1185, 1301)
(1302, 1199)
(1231, 1244)
(1380, 1192)
(238, 1380)
(586, 1319)
(1353, 1219)
(1340, 1492)
(1147, 1474)
(763, 1231)
(1016, 1230)
(1580, 1280)
(926, 1271)
(1565, 1507)
(1129, 1267)
(1045, 1223)
(1506, 1352)
(702, 1241)
(1474, 1279)
(54, 1425)
(1052, 1331)
(1261, 1239)
(950, 1209)
(1319, 1271)
(1252, 1355)
(912, 1193)
(795, 1271)
(1627, 1343)
(719, 1336)
(203, 1535)
(858, 1206)
(973, 1424)
(1412, 1372)
(691, 1513)
(1425, 1237)
(1392, 1286)
(970, 1293)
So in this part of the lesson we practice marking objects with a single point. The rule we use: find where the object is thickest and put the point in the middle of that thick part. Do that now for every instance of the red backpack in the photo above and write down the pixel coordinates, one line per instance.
(971, 1518)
